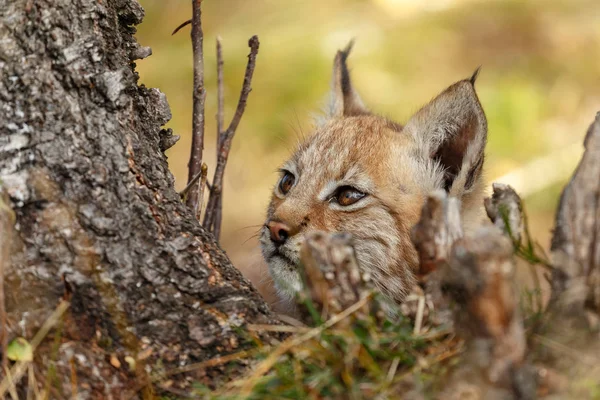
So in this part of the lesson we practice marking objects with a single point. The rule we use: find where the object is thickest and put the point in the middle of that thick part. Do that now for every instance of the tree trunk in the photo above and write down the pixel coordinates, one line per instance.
(98, 222)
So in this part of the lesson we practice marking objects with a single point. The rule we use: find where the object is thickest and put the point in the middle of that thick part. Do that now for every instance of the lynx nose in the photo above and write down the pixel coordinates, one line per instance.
(279, 232)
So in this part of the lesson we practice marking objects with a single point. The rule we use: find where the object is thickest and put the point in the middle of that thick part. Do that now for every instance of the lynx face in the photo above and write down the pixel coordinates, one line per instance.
(366, 175)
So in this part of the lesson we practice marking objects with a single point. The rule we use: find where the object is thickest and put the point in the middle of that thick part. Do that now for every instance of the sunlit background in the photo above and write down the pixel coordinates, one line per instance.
(540, 86)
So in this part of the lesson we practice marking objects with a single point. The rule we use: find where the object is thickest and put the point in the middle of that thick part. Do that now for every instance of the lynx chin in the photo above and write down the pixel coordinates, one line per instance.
(367, 175)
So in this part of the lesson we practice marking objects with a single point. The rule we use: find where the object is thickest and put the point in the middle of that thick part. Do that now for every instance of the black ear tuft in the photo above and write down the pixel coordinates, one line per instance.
(344, 73)
(346, 51)
(475, 75)
(344, 99)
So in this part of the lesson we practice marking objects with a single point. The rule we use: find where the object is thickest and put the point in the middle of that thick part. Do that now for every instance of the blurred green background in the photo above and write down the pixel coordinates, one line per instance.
(540, 85)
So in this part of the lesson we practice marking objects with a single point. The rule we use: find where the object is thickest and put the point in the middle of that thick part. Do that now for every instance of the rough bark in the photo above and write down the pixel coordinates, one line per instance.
(572, 321)
(98, 221)
(505, 210)
(576, 241)
(332, 275)
(474, 273)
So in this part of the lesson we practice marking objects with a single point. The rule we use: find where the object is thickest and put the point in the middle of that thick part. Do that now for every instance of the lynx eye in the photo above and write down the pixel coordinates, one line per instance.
(286, 182)
(347, 195)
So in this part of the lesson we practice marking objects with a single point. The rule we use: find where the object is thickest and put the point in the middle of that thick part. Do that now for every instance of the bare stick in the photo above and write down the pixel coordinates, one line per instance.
(215, 193)
(191, 183)
(184, 24)
(220, 96)
(216, 225)
(195, 164)
(203, 173)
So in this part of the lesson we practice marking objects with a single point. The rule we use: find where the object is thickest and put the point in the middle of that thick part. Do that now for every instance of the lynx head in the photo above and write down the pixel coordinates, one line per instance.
(364, 174)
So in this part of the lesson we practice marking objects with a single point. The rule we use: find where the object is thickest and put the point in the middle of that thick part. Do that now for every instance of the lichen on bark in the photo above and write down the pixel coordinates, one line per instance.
(97, 218)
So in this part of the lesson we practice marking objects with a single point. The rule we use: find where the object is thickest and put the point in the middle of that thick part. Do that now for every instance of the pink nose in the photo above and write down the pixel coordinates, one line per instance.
(279, 232)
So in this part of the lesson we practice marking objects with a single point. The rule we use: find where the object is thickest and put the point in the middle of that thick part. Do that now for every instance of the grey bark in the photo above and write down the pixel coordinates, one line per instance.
(472, 275)
(573, 318)
(576, 241)
(505, 210)
(98, 221)
(333, 279)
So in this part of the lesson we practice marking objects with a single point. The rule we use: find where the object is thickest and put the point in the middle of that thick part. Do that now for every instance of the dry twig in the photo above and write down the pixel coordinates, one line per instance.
(191, 183)
(215, 193)
(195, 164)
(240, 355)
(216, 225)
(201, 187)
(182, 25)
(220, 96)
(213, 213)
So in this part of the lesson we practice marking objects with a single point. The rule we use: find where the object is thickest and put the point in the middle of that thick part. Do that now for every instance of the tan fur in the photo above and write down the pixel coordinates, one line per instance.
(395, 166)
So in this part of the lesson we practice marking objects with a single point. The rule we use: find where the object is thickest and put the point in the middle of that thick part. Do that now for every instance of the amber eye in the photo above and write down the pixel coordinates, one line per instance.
(286, 182)
(347, 195)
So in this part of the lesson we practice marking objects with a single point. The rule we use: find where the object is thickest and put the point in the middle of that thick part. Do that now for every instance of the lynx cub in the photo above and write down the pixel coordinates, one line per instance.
(367, 175)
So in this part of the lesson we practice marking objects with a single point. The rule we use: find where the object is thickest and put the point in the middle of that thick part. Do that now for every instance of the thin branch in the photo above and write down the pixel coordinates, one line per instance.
(216, 225)
(220, 96)
(187, 187)
(218, 217)
(276, 328)
(225, 147)
(213, 362)
(195, 164)
(203, 173)
(186, 23)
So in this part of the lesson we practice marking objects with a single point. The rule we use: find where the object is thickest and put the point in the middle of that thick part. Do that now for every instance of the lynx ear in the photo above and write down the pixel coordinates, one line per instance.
(452, 131)
(344, 100)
